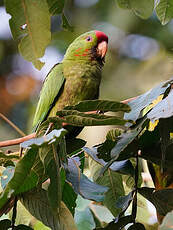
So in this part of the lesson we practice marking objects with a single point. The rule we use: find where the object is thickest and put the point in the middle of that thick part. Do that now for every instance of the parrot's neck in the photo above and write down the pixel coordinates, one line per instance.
(82, 68)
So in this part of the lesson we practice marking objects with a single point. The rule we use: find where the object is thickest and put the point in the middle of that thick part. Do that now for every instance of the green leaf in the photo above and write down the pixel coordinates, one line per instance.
(56, 6)
(54, 189)
(81, 184)
(76, 118)
(113, 181)
(5, 224)
(103, 105)
(74, 145)
(124, 140)
(51, 155)
(38, 205)
(142, 8)
(30, 21)
(104, 149)
(69, 197)
(50, 159)
(65, 24)
(164, 11)
(150, 145)
(167, 222)
(162, 199)
(18, 183)
(142, 101)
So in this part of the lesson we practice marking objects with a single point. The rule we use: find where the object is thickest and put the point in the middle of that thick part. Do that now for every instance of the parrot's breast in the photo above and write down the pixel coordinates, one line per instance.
(82, 83)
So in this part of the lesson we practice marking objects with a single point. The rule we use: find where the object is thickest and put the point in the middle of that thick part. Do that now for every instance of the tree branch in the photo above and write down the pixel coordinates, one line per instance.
(33, 135)
(128, 100)
(17, 141)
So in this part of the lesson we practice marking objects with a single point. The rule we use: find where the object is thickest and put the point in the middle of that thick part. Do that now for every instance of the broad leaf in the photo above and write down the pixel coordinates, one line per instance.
(124, 167)
(162, 199)
(76, 118)
(82, 185)
(51, 156)
(143, 8)
(53, 136)
(30, 21)
(163, 109)
(103, 105)
(18, 182)
(54, 189)
(74, 145)
(164, 10)
(84, 219)
(83, 215)
(69, 197)
(38, 205)
(150, 145)
(142, 101)
(124, 140)
(113, 181)
(123, 202)
(5, 224)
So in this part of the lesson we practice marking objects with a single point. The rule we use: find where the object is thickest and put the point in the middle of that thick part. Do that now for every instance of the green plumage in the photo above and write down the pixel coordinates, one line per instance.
(76, 79)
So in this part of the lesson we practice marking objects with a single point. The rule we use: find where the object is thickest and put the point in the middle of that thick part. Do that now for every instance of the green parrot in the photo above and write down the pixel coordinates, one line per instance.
(76, 78)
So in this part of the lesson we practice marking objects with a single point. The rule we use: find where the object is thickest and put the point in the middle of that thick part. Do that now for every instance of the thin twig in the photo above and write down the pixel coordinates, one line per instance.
(17, 141)
(12, 125)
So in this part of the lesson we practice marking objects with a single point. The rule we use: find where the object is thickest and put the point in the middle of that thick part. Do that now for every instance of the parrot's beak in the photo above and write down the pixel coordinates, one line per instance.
(102, 49)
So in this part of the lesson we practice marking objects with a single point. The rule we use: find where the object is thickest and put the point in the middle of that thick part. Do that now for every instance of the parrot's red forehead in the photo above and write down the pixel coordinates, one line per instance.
(101, 36)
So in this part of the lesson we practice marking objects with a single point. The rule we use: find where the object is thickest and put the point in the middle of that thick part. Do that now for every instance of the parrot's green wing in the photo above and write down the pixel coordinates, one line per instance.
(50, 90)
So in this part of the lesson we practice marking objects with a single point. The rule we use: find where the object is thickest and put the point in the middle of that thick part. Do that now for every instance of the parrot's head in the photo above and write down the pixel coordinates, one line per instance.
(88, 46)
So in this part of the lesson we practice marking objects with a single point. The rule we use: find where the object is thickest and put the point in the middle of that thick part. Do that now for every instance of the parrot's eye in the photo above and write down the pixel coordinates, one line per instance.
(89, 39)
